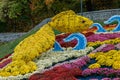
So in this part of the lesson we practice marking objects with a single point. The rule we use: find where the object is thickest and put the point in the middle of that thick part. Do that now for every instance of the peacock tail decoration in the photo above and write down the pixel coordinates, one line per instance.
(33, 46)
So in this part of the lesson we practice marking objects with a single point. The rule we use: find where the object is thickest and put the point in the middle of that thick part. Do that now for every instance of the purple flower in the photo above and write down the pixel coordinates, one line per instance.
(80, 63)
(99, 48)
(102, 37)
(67, 65)
(70, 65)
(117, 72)
(104, 48)
(108, 47)
(97, 71)
(86, 72)
(85, 58)
(93, 71)
(102, 71)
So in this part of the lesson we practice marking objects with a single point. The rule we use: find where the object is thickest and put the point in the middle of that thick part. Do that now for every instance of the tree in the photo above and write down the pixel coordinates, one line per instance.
(47, 8)
(14, 12)
(13, 8)
(104, 4)
(89, 5)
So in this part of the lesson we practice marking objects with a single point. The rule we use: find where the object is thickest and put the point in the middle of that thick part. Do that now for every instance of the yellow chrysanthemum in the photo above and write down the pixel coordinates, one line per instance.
(97, 43)
(116, 65)
(109, 62)
(95, 65)
(91, 55)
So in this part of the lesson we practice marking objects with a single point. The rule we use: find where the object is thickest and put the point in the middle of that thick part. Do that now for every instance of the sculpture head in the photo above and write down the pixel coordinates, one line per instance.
(70, 22)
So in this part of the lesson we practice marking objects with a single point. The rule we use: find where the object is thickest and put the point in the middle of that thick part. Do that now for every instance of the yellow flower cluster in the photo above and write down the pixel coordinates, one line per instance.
(69, 22)
(91, 55)
(35, 44)
(18, 67)
(111, 41)
(116, 65)
(110, 58)
(27, 50)
(95, 65)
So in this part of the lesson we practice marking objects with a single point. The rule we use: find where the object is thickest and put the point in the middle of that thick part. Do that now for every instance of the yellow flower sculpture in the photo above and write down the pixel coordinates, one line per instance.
(33, 46)
(70, 22)
(27, 50)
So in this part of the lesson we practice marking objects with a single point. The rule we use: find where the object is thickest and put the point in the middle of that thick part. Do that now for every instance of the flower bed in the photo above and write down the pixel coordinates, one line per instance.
(34, 58)
(86, 66)
(98, 63)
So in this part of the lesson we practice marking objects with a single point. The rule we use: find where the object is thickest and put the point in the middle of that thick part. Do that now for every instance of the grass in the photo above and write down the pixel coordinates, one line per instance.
(102, 22)
(9, 47)
(2, 43)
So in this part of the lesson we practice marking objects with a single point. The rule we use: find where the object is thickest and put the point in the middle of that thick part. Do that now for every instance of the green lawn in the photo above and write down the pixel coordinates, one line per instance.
(9, 47)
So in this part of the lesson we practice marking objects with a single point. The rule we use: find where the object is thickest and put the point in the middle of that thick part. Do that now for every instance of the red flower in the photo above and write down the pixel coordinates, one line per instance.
(60, 38)
(65, 74)
(88, 34)
(1, 59)
(48, 72)
(75, 72)
(59, 68)
(4, 63)
(7, 55)
(36, 76)
(65, 78)
(45, 78)
(52, 75)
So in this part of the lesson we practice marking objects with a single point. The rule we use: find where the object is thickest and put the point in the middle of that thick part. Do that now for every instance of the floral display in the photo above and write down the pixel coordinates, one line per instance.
(103, 36)
(27, 50)
(50, 58)
(104, 48)
(35, 58)
(64, 70)
(110, 58)
(98, 43)
(101, 71)
(60, 38)
(35, 44)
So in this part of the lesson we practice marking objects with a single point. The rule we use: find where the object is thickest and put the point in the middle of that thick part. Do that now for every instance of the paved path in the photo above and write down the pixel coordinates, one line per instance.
(6, 37)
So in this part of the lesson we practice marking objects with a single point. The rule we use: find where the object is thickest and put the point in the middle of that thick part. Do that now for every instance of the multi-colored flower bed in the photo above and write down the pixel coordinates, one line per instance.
(35, 59)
